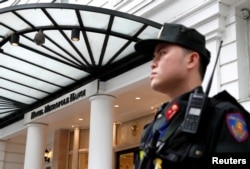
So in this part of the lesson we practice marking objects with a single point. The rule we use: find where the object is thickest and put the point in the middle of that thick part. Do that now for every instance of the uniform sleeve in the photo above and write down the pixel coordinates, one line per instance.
(232, 131)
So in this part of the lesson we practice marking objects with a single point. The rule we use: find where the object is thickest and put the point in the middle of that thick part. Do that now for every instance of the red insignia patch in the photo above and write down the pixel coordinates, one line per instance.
(237, 126)
(172, 111)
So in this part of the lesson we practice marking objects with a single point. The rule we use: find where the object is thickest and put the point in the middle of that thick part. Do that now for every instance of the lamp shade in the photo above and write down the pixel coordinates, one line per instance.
(39, 38)
(46, 155)
(14, 39)
(75, 35)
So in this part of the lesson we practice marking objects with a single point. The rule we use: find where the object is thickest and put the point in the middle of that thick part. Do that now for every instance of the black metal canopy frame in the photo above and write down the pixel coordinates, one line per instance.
(49, 49)
(2, 1)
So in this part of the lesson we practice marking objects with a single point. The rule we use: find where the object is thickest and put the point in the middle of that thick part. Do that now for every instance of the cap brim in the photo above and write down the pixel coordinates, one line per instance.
(147, 47)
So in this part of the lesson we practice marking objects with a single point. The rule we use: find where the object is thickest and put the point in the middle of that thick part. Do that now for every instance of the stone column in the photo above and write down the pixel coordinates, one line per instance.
(101, 132)
(35, 146)
(75, 148)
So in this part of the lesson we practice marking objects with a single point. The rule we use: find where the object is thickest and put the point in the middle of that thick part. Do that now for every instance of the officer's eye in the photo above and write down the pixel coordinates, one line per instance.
(162, 53)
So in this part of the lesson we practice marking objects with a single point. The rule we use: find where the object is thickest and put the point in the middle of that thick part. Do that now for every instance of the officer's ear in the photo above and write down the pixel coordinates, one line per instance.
(192, 60)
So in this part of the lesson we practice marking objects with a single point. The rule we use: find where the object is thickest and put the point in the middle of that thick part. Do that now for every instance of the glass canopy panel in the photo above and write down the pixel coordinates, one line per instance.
(52, 48)
(96, 42)
(28, 81)
(126, 52)
(63, 44)
(149, 32)
(16, 97)
(4, 31)
(81, 45)
(5, 114)
(44, 61)
(23, 53)
(129, 27)
(47, 62)
(43, 74)
(95, 20)
(38, 18)
(9, 17)
(64, 16)
(6, 104)
(114, 44)
(76, 51)
(7, 109)
(22, 89)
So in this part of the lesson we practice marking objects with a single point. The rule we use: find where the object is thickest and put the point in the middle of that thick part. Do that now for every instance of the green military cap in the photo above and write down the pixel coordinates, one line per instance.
(177, 34)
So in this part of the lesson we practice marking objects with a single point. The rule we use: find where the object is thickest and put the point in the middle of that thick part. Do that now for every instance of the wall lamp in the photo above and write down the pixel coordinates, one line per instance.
(14, 39)
(46, 155)
(75, 34)
(39, 38)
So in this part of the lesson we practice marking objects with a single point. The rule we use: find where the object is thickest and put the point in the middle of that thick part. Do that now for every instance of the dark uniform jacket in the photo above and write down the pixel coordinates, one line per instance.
(223, 129)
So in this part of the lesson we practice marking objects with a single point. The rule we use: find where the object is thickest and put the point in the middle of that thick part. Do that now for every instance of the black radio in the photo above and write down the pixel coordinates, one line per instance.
(196, 104)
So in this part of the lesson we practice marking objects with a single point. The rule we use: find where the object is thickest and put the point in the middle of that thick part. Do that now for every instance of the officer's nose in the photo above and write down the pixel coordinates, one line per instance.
(153, 64)
(154, 61)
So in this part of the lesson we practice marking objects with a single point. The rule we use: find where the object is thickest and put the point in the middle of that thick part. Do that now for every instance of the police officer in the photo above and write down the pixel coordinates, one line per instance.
(187, 130)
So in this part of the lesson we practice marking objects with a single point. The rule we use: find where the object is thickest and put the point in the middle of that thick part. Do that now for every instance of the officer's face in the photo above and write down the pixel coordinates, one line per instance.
(169, 68)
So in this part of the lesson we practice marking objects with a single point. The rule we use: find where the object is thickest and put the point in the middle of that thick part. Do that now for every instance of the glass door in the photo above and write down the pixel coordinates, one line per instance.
(125, 159)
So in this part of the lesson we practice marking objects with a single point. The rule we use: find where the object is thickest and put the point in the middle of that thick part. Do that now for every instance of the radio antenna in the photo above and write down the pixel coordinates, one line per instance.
(211, 78)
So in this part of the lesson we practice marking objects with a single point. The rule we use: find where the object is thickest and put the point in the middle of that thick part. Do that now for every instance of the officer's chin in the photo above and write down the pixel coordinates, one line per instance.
(155, 86)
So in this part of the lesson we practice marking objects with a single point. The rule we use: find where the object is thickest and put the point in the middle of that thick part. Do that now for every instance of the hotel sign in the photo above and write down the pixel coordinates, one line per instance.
(65, 100)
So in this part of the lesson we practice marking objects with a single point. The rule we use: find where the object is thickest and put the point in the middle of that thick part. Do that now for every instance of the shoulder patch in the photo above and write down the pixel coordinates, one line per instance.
(237, 126)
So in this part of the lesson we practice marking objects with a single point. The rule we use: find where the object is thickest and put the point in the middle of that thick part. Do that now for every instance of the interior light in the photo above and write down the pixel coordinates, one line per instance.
(75, 35)
(39, 38)
(14, 39)
(46, 155)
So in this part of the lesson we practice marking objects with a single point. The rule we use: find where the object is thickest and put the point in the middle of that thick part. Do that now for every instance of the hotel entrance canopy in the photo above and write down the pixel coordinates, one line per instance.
(39, 60)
